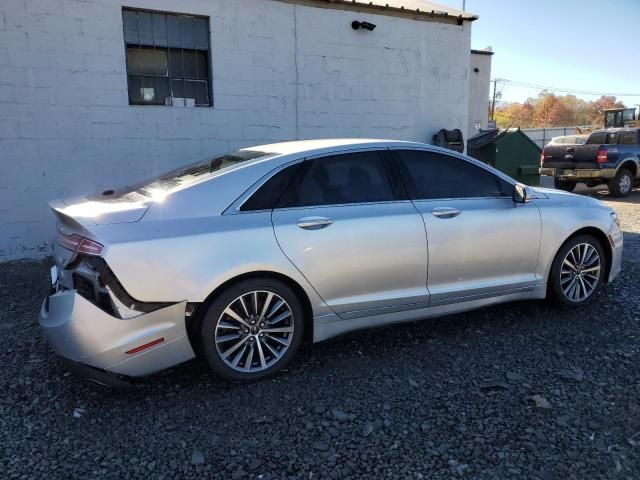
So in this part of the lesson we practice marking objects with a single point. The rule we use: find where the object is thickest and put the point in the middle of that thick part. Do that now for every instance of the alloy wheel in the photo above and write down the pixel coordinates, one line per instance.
(254, 331)
(580, 272)
(625, 184)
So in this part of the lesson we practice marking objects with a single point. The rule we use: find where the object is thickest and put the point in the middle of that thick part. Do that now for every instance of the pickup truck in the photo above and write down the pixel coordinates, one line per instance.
(610, 156)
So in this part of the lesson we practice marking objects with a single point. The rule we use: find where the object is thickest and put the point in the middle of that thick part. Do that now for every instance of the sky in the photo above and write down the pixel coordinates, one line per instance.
(583, 45)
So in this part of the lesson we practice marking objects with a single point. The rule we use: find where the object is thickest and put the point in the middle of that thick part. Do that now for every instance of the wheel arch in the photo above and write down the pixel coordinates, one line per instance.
(195, 320)
(630, 164)
(602, 238)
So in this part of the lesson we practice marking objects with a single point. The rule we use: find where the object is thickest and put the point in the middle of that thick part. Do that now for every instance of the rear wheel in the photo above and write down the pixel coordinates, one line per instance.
(566, 185)
(252, 330)
(622, 183)
(578, 271)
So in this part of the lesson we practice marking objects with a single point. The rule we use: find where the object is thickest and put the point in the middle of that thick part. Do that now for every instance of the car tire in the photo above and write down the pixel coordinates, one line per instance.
(237, 317)
(622, 183)
(565, 185)
(579, 271)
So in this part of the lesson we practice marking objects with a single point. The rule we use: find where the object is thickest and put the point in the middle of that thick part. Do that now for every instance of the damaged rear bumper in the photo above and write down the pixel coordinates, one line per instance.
(83, 333)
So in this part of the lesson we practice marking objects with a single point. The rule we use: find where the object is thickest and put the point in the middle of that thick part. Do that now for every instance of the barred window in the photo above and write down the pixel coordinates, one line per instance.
(167, 58)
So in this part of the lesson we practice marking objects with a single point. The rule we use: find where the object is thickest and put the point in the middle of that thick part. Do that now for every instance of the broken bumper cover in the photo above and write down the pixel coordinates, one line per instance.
(81, 332)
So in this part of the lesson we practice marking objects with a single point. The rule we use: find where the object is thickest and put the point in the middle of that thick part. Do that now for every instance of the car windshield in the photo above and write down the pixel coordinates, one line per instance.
(182, 177)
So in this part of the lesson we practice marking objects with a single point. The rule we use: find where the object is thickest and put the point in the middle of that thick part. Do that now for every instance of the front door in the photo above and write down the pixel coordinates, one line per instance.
(363, 250)
(481, 243)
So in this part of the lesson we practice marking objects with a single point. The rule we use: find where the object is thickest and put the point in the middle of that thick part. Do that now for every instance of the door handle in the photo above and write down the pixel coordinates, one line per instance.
(314, 223)
(445, 212)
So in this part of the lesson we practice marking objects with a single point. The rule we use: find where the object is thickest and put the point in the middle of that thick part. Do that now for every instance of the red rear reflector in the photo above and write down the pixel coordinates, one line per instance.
(144, 347)
(79, 244)
(542, 157)
(602, 156)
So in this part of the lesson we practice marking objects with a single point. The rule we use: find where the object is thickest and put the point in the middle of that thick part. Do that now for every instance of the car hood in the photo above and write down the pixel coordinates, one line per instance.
(88, 211)
(565, 197)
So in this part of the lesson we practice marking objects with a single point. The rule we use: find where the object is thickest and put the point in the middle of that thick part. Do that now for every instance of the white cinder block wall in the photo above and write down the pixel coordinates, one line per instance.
(280, 71)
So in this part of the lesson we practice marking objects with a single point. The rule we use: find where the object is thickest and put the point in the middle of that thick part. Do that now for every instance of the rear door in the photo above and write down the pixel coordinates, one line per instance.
(481, 243)
(356, 240)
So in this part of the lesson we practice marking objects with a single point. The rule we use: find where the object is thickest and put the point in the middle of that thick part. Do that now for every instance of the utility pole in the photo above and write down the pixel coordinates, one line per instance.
(464, 4)
(493, 101)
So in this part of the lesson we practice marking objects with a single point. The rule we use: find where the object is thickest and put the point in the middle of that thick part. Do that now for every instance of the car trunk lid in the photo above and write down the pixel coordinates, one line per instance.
(77, 216)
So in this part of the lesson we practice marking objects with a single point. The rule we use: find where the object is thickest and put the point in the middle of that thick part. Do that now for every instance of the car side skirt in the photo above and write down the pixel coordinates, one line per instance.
(328, 326)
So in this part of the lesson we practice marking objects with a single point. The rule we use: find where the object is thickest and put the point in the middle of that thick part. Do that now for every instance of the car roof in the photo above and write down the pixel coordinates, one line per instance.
(329, 144)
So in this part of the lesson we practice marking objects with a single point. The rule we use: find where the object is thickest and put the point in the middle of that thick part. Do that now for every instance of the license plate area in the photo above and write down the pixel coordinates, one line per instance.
(568, 172)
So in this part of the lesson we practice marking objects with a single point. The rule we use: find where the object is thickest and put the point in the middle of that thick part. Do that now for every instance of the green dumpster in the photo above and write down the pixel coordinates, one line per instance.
(510, 151)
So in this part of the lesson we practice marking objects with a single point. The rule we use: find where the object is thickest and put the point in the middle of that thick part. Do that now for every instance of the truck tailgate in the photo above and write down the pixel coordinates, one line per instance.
(570, 156)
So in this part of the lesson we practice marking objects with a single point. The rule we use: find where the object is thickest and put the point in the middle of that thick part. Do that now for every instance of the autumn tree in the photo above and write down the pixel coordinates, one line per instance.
(550, 110)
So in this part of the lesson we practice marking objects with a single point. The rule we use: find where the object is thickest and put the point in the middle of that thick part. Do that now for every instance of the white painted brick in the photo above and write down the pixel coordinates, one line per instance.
(105, 63)
(50, 7)
(72, 62)
(44, 41)
(15, 38)
(37, 95)
(23, 57)
(8, 128)
(7, 94)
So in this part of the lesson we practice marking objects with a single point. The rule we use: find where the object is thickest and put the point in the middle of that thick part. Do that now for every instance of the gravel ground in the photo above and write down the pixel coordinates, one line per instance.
(514, 391)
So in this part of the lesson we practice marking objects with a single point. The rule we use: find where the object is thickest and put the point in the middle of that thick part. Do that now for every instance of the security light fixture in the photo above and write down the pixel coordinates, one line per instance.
(364, 25)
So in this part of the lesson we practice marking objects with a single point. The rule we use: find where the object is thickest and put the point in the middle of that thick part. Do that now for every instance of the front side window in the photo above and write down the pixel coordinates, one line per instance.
(628, 137)
(431, 175)
(340, 179)
(167, 58)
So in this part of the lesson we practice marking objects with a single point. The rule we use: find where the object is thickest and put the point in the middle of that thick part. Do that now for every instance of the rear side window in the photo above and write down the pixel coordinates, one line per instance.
(628, 138)
(267, 196)
(612, 138)
(431, 175)
(340, 179)
(597, 138)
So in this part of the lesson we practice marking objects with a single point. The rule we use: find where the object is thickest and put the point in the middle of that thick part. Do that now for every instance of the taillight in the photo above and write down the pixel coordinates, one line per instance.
(79, 244)
(602, 156)
(542, 157)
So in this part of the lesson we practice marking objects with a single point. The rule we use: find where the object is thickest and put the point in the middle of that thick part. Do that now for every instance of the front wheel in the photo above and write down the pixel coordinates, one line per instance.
(621, 184)
(565, 185)
(578, 271)
(252, 330)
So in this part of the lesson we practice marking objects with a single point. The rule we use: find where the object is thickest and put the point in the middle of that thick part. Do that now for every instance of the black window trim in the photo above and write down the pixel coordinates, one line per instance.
(167, 12)
(396, 159)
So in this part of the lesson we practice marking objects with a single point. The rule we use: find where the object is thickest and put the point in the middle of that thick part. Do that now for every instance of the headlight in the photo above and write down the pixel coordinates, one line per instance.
(615, 218)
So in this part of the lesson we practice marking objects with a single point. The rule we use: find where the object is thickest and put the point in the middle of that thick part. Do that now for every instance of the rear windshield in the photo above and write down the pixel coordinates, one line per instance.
(597, 137)
(183, 176)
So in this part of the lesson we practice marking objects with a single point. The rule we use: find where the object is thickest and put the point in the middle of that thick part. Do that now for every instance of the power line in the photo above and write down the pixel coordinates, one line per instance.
(563, 90)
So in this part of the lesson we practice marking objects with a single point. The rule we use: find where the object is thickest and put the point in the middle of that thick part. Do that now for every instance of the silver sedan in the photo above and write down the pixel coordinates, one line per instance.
(240, 258)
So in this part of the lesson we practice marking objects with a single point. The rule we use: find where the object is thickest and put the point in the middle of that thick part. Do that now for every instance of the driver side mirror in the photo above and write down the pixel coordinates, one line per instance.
(521, 194)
